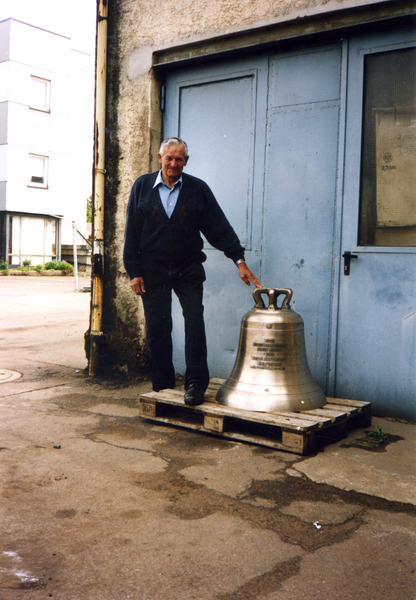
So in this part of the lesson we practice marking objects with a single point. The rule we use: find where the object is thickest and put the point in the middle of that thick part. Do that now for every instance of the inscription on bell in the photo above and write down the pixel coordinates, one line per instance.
(267, 355)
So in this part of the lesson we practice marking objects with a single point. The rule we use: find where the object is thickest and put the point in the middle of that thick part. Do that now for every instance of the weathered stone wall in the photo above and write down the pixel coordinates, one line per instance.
(137, 28)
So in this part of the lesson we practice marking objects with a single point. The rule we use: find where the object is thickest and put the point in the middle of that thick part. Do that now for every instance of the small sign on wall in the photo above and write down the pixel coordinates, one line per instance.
(396, 168)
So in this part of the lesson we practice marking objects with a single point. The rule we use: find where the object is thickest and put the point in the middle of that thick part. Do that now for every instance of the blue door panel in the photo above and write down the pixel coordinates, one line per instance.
(301, 191)
(217, 121)
(376, 336)
(305, 77)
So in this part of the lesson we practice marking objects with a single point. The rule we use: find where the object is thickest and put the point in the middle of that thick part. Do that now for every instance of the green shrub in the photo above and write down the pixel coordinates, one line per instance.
(27, 262)
(63, 266)
(50, 265)
(3, 265)
(60, 265)
(38, 268)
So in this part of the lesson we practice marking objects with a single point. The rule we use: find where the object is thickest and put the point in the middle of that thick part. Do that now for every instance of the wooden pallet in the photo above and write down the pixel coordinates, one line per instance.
(290, 431)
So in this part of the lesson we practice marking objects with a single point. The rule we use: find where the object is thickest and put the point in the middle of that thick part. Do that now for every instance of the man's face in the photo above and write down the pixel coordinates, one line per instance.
(173, 161)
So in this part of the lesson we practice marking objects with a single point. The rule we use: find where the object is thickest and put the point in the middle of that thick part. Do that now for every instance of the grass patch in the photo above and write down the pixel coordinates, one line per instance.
(373, 439)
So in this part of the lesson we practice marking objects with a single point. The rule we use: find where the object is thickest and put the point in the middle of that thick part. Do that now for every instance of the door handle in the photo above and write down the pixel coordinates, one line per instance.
(347, 256)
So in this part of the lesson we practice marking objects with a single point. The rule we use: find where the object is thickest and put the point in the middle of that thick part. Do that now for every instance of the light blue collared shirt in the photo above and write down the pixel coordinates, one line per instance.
(167, 195)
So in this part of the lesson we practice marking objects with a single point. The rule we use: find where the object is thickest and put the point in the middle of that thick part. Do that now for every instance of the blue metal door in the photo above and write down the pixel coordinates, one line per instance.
(376, 338)
(218, 110)
(302, 195)
(278, 140)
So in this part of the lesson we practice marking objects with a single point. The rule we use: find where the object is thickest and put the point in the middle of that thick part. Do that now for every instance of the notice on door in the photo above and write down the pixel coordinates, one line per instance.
(396, 168)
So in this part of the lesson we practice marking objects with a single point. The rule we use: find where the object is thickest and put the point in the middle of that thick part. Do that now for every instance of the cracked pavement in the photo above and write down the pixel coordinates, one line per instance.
(99, 504)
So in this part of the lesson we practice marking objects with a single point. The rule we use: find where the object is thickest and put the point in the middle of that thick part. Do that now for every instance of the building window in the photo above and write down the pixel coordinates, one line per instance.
(39, 93)
(388, 162)
(38, 171)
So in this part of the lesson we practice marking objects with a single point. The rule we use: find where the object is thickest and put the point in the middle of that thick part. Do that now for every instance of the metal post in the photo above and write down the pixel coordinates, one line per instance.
(74, 233)
(96, 334)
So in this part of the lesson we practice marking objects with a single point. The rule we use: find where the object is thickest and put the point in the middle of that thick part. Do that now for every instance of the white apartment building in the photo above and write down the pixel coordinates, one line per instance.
(46, 141)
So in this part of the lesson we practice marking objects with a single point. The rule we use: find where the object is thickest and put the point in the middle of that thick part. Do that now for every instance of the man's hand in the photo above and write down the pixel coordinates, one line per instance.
(137, 285)
(247, 276)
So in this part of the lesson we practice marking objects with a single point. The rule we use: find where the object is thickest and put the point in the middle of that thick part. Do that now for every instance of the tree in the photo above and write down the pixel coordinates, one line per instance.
(89, 209)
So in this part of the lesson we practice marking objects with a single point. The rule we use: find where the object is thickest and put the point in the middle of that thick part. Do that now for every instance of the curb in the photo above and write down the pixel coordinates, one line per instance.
(50, 273)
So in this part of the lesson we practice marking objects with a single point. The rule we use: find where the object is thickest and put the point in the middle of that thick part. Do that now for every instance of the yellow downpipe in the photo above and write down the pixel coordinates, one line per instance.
(99, 176)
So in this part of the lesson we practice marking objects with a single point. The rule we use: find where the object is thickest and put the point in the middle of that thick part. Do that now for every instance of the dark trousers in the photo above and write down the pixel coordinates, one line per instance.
(186, 280)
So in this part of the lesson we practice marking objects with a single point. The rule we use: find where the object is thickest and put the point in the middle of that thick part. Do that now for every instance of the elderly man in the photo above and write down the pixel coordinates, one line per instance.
(167, 212)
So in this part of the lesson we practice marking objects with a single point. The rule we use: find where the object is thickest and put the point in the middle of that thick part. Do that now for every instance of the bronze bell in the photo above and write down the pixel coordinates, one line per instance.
(271, 372)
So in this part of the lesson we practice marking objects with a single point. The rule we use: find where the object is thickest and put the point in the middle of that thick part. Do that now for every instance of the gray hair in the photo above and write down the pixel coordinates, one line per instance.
(173, 141)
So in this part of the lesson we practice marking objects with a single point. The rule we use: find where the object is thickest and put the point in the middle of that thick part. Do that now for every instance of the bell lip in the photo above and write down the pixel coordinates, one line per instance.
(302, 387)
(271, 403)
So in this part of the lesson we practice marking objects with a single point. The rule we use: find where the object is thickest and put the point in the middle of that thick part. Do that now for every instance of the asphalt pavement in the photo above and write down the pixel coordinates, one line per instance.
(99, 504)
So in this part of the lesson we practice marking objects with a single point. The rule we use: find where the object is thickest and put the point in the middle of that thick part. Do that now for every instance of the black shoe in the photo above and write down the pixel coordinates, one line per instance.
(194, 395)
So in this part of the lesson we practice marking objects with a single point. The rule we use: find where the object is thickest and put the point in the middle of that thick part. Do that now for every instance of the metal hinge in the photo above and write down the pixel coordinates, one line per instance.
(162, 97)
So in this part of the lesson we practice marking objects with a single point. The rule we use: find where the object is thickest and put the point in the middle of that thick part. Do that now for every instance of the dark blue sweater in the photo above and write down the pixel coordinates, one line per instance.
(151, 233)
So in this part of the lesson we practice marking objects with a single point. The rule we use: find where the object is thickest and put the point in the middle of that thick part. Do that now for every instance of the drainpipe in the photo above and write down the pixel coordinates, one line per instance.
(96, 334)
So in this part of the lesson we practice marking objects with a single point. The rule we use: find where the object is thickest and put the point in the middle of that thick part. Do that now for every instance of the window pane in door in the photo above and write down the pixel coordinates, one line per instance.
(32, 240)
(50, 239)
(15, 241)
(388, 162)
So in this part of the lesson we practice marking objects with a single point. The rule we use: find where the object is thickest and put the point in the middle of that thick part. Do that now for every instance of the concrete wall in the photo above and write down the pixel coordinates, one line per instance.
(142, 34)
